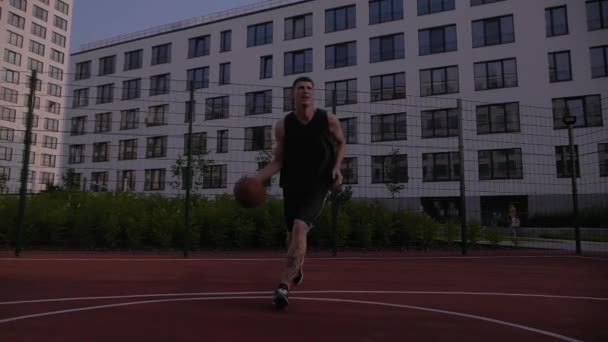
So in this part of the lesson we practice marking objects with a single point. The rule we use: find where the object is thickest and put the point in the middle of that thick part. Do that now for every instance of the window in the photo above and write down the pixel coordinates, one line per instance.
(161, 54)
(288, 101)
(47, 178)
(10, 76)
(389, 169)
(298, 27)
(258, 102)
(226, 41)
(154, 179)
(49, 142)
(559, 66)
(556, 21)
(599, 61)
(215, 176)
(602, 152)
(156, 115)
(500, 164)
(133, 59)
(76, 154)
(15, 39)
(129, 119)
(131, 89)
(340, 18)
(340, 55)
(200, 77)
(349, 170)
(440, 123)
(34, 64)
(39, 30)
(6, 153)
(7, 134)
(61, 23)
(199, 143)
(160, 84)
(437, 81)
(99, 181)
(36, 48)
(100, 152)
(346, 92)
(349, 128)
(437, 40)
(563, 161)
(259, 34)
(8, 114)
(586, 109)
(597, 14)
(217, 107)
(258, 138)
(387, 48)
(59, 39)
(495, 74)
(78, 125)
(41, 13)
(55, 73)
(199, 46)
(8, 95)
(434, 6)
(12, 57)
(81, 98)
(103, 122)
(381, 11)
(53, 90)
(156, 147)
(297, 62)
(483, 2)
(105, 93)
(388, 87)
(53, 107)
(266, 67)
(224, 73)
(107, 65)
(19, 4)
(440, 167)
(48, 160)
(498, 118)
(15, 20)
(493, 31)
(389, 127)
(83, 70)
(125, 180)
(62, 7)
(222, 141)
(127, 149)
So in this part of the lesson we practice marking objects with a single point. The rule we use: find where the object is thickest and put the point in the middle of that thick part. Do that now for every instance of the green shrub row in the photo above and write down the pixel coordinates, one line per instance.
(127, 221)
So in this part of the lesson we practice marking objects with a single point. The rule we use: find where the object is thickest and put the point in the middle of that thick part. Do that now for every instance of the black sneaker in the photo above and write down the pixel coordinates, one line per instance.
(281, 297)
(299, 278)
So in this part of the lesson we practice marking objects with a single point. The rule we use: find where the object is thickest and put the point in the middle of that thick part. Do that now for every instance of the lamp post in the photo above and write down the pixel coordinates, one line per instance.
(570, 120)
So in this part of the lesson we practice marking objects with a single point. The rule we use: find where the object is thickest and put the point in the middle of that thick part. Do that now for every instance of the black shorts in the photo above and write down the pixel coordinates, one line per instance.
(303, 206)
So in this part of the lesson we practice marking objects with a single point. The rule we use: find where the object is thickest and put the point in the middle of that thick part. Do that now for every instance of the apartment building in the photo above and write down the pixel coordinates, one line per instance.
(35, 35)
(397, 68)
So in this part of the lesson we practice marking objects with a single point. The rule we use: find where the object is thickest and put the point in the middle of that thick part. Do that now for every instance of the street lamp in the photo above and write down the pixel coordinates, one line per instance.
(570, 120)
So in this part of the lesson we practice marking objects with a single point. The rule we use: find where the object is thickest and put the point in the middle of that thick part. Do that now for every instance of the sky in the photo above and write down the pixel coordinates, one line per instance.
(99, 19)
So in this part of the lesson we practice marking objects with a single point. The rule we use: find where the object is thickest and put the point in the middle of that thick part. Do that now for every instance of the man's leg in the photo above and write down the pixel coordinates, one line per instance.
(296, 251)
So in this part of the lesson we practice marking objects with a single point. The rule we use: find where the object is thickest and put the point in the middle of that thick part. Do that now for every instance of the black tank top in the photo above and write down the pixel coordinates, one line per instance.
(309, 153)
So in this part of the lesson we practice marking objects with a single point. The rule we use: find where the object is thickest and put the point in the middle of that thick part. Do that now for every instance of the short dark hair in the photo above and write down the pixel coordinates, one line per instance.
(302, 79)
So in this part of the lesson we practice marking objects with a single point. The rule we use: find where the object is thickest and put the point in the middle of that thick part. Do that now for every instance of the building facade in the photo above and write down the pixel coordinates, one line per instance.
(409, 77)
(35, 35)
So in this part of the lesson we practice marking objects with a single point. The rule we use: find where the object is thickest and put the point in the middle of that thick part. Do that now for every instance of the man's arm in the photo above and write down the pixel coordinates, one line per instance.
(336, 129)
(277, 162)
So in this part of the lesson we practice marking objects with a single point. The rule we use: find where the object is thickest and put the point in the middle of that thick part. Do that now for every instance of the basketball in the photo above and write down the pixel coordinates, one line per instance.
(249, 192)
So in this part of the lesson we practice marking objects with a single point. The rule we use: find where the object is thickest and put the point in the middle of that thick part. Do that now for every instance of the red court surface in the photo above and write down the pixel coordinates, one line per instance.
(73, 297)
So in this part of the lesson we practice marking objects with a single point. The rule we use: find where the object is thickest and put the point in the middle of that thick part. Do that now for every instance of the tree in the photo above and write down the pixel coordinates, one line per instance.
(200, 165)
(393, 173)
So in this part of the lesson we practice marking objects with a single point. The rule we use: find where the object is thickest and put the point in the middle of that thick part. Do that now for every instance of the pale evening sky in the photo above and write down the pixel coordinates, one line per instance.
(99, 19)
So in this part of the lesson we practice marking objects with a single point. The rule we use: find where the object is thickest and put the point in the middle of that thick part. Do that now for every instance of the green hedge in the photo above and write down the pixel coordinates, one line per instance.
(125, 221)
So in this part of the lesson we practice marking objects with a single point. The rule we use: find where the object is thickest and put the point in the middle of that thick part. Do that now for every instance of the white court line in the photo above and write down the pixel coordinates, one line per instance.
(592, 258)
(67, 299)
(282, 258)
(453, 313)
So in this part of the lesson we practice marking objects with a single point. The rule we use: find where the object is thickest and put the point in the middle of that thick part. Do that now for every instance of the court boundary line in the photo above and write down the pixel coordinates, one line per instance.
(308, 258)
(411, 307)
(309, 292)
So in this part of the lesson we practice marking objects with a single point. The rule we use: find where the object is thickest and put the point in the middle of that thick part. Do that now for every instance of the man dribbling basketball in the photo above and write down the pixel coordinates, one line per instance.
(309, 150)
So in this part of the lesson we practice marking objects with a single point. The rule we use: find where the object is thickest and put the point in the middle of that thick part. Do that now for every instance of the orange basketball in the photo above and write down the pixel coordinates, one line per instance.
(249, 192)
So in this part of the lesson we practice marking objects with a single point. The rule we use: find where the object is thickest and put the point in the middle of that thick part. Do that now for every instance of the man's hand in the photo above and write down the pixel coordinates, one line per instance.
(337, 177)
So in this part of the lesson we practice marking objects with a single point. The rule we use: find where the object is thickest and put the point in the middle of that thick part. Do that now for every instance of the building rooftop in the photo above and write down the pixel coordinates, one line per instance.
(183, 24)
